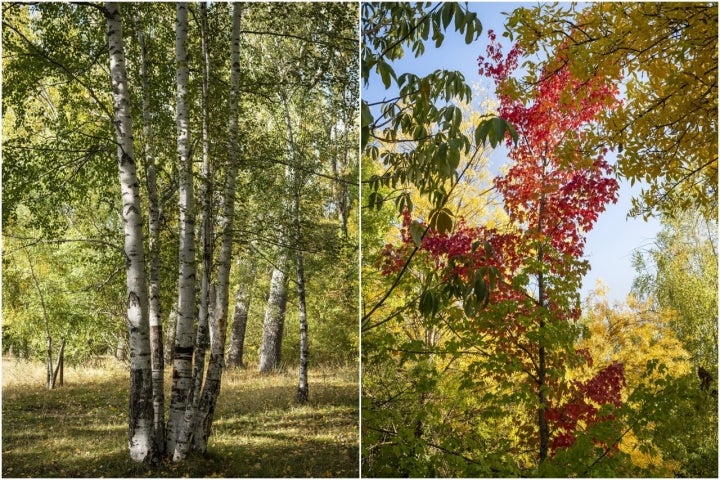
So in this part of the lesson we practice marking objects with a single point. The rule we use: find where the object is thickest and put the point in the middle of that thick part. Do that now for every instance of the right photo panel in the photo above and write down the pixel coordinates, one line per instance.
(539, 240)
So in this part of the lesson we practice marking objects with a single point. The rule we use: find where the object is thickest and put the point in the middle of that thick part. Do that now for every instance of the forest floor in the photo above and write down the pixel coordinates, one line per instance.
(79, 429)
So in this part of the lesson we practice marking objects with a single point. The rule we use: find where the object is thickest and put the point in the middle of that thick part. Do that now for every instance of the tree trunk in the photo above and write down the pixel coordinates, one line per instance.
(121, 353)
(169, 348)
(49, 363)
(154, 306)
(296, 182)
(191, 415)
(48, 338)
(340, 191)
(218, 320)
(239, 323)
(274, 322)
(182, 362)
(140, 431)
(302, 390)
(59, 367)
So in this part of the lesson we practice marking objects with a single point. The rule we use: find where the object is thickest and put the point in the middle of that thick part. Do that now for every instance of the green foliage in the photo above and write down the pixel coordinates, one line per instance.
(424, 116)
(680, 420)
(679, 272)
(80, 281)
(55, 111)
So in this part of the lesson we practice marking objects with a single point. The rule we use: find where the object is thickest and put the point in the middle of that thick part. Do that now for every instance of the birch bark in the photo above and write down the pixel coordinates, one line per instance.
(156, 336)
(274, 322)
(190, 417)
(182, 362)
(218, 320)
(296, 182)
(236, 345)
(140, 431)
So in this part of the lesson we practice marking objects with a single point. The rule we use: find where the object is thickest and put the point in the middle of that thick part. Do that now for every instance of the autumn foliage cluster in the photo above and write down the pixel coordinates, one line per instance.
(524, 276)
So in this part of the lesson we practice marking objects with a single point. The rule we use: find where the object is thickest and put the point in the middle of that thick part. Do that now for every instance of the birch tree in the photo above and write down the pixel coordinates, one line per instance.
(140, 431)
(236, 346)
(218, 320)
(274, 321)
(182, 362)
(70, 100)
(155, 320)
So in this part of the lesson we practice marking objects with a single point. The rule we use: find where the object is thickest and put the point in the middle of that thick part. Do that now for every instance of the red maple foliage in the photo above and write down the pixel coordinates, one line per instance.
(604, 387)
(554, 191)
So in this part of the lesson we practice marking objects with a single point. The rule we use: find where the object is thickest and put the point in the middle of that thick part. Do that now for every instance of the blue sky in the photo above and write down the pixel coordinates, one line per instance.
(611, 243)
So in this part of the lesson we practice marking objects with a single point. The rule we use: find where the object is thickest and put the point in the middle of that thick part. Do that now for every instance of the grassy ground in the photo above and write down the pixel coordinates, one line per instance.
(79, 430)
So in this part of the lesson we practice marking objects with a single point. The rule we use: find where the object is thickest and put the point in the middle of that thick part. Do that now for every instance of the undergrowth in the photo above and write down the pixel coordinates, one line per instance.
(79, 429)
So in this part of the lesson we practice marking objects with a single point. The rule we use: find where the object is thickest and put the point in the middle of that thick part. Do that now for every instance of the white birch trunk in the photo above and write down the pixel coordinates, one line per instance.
(140, 431)
(156, 336)
(182, 362)
(218, 320)
(274, 322)
(236, 345)
(190, 418)
(169, 346)
(296, 182)
(302, 389)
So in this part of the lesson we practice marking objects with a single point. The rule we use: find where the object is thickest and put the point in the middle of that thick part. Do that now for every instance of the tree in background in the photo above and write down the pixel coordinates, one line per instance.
(679, 273)
(678, 276)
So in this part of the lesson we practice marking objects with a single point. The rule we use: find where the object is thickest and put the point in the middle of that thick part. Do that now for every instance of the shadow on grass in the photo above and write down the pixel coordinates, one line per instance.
(259, 431)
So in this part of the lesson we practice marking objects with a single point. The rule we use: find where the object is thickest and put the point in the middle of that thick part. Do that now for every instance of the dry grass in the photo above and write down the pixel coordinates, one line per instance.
(78, 430)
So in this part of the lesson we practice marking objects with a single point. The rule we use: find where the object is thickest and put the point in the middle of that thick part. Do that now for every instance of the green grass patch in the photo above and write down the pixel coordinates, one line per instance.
(79, 430)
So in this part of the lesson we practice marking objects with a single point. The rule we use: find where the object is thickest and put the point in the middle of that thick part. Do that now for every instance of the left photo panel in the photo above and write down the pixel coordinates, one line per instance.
(180, 240)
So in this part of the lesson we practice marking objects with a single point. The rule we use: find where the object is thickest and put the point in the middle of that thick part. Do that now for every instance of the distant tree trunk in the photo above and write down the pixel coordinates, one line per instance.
(48, 338)
(140, 431)
(182, 362)
(49, 363)
(340, 191)
(121, 349)
(302, 390)
(274, 322)
(156, 335)
(296, 182)
(60, 366)
(543, 426)
(236, 345)
(169, 348)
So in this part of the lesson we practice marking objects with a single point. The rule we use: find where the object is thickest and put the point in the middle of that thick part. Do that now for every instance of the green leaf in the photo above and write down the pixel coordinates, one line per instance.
(469, 34)
(459, 18)
(480, 289)
(366, 119)
(488, 249)
(375, 200)
(441, 221)
(439, 37)
(428, 303)
(447, 13)
(481, 132)
(386, 72)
